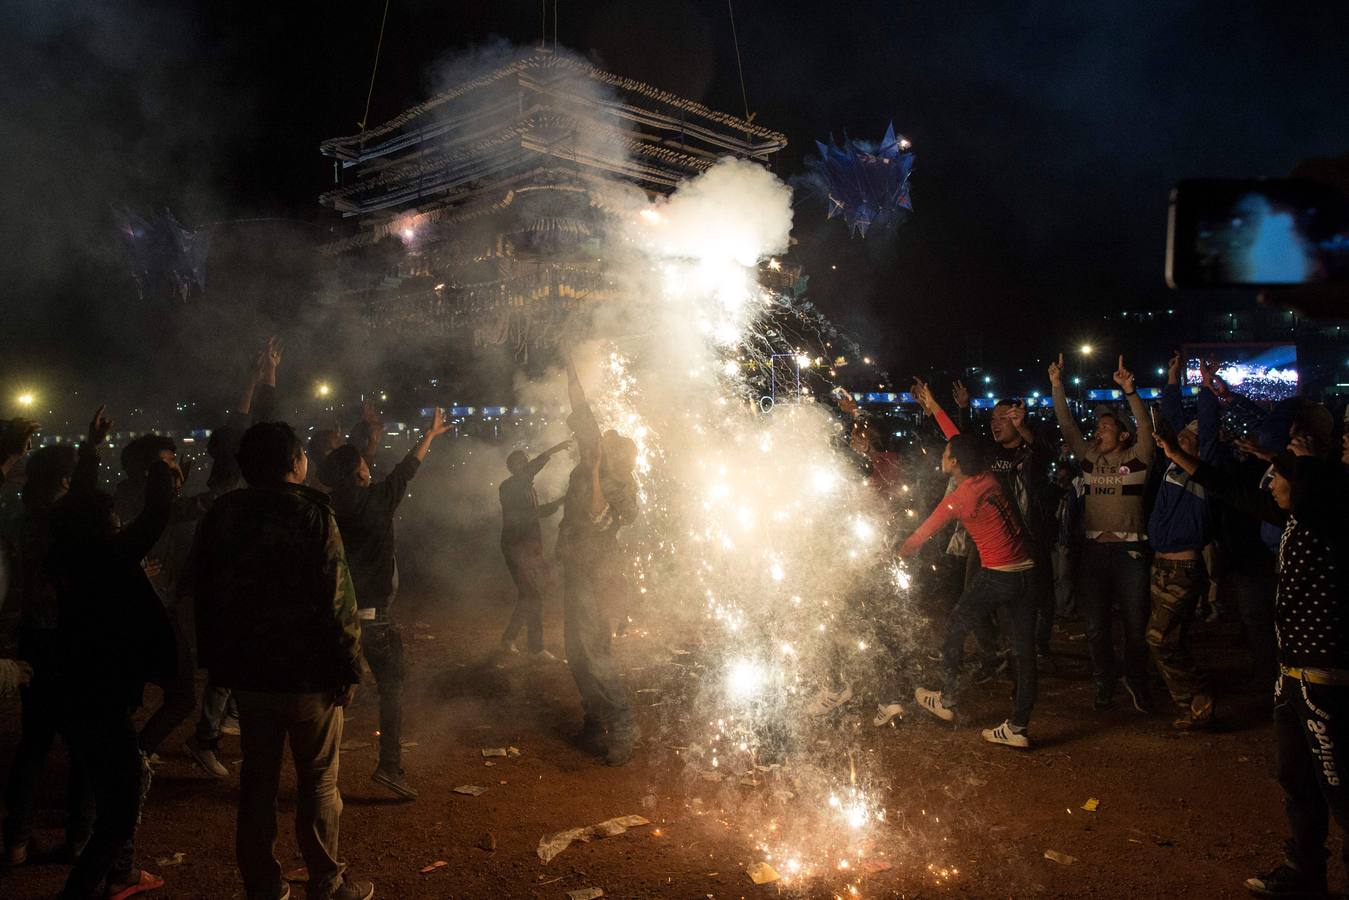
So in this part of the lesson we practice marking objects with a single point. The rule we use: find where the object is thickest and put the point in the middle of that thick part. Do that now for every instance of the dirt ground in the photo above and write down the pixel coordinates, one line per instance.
(1178, 815)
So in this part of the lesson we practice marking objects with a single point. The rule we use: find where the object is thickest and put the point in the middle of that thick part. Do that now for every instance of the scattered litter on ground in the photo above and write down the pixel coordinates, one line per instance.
(438, 864)
(493, 751)
(1061, 858)
(513, 752)
(590, 893)
(1091, 804)
(550, 880)
(354, 745)
(489, 764)
(174, 860)
(472, 790)
(487, 842)
(762, 873)
(550, 845)
(649, 801)
(712, 776)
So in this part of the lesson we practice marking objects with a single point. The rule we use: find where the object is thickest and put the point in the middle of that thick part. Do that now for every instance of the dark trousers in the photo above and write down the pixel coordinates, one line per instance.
(180, 696)
(1177, 585)
(1042, 597)
(529, 570)
(1115, 573)
(104, 742)
(1311, 725)
(314, 726)
(1252, 594)
(586, 633)
(42, 721)
(1008, 596)
(382, 644)
(215, 703)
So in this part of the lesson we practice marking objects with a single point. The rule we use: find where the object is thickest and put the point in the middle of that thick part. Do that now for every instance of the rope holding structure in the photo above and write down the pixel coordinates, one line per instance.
(379, 45)
(744, 95)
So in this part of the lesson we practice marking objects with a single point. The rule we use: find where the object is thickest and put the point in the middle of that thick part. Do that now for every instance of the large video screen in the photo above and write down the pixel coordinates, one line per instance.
(1260, 371)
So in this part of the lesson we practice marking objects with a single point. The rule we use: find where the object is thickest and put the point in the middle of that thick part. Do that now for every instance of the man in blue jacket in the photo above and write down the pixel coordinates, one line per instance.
(1179, 529)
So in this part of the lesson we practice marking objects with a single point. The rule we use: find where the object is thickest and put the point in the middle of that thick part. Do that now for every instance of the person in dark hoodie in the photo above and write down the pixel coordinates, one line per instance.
(365, 516)
(522, 546)
(276, 624)
(1179, 528)
(114, 636)
(1307, 495)
(49, 473)
(601, 498)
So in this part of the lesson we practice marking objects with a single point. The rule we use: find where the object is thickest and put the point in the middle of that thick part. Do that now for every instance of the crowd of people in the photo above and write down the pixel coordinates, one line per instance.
(1156, 516)
(279, 581)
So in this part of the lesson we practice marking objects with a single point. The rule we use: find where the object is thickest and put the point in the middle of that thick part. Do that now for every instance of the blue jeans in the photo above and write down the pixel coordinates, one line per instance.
(1116, 573)
(1007, 595)
(214, 707)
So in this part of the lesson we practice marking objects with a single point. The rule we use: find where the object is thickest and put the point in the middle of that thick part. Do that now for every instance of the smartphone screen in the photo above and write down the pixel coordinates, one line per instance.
(1230, 232)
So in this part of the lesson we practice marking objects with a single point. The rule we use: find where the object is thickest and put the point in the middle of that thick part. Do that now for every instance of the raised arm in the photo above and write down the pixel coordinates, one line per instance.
(135, 540)
(575, 393)
(1143, 443)
(16, 439)
(1173, 411)
(940, 517)
(365, 434)
(390, 492)
(85, 478)
(1071, 433)
(923, 394)
(1225, 487)
(535, 465)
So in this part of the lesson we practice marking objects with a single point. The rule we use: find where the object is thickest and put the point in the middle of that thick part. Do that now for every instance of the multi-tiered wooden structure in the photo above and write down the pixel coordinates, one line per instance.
(483, 209)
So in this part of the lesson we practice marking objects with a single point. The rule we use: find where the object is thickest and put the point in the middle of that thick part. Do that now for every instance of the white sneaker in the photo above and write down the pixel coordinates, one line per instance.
(1004, 734)
(887, 712)
(931, 701)
(827, 701)
(206, 758)
(508, 648)
(230, 726)
(542, 656)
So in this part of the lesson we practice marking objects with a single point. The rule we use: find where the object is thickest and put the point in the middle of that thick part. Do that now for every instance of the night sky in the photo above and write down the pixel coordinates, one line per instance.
(1047, 136)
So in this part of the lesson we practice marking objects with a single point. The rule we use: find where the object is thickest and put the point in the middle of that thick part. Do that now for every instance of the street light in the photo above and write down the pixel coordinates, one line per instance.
(323, 389)
(1085, 349)
(26, 399)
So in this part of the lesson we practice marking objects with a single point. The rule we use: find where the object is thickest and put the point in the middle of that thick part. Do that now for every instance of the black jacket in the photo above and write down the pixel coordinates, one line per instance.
(365, 518)
(275, 608)
(113, 632)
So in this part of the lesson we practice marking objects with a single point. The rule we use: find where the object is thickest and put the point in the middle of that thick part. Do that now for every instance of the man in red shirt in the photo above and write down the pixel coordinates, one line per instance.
(1002, 584)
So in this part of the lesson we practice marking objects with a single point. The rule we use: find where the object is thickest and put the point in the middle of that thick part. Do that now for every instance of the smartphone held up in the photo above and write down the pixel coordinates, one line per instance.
(1256, 232)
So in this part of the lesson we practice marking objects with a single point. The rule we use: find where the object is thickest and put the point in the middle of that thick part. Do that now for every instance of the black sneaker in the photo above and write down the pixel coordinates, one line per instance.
(622, 745)
(1287, 882)
(353, 890)
(992, 667)
(395, 780)
(1141, 696)
(1105, 695)
(590, 738)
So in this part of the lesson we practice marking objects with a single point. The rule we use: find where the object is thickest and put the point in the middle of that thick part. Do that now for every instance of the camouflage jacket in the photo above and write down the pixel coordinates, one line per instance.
(275, 607)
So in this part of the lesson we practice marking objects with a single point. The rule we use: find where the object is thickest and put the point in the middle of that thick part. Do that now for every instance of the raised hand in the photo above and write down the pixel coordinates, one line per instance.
(99, 426)
(275, 346)
(923, 394)
(1302, 445)
(1123, 377)
(1251, 448)
(960, 394)
(438, 424)
(1056, 371)
(1173, 366)
(846, 403)
(1016, 414)
(1208, 371)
